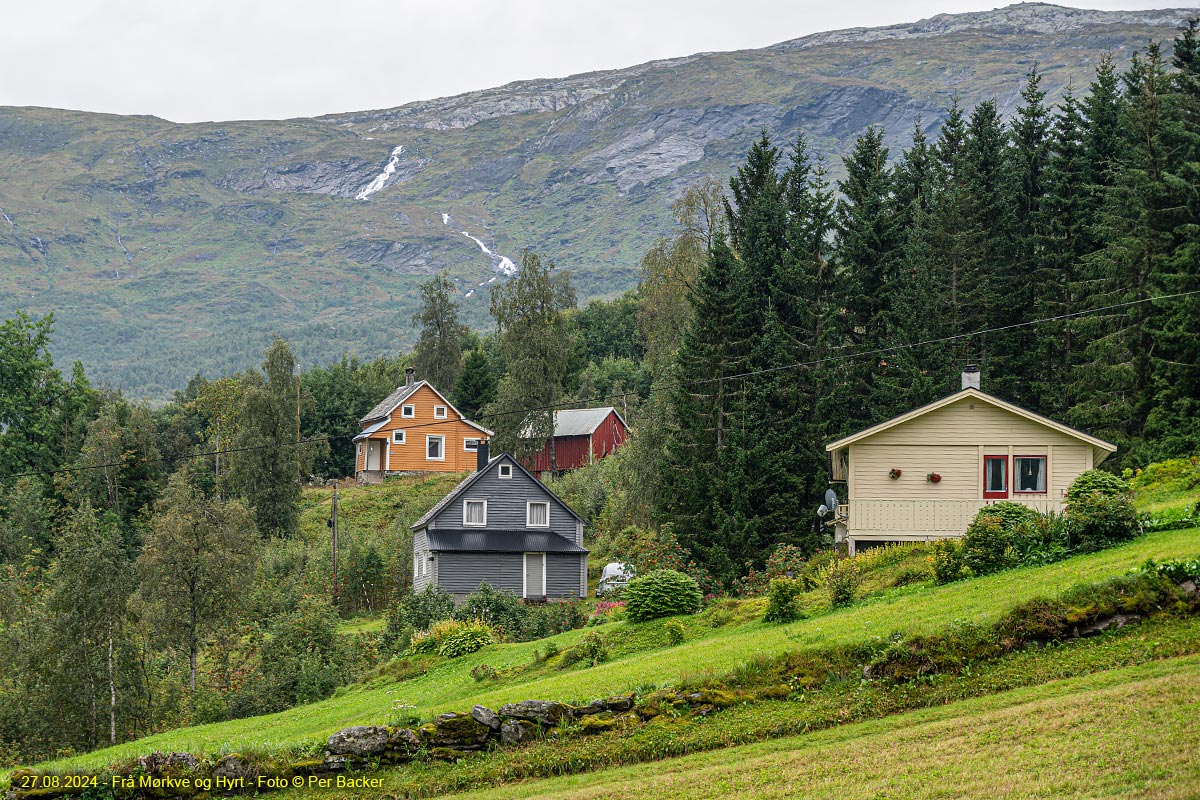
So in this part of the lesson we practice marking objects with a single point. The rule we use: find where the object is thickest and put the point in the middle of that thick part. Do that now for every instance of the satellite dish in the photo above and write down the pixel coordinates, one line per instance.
(831, 499)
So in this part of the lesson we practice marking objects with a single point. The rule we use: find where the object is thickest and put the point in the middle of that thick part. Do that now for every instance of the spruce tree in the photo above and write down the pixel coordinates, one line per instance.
(476, 386)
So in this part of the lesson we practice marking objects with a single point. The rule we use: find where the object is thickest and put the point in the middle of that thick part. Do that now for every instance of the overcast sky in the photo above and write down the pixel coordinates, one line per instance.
(192, 60)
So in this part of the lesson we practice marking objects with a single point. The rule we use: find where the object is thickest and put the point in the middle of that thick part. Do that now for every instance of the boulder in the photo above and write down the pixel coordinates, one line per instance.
(594, 707)
(517, 731)
(232, 767)
(402, 745)
(361, 741)
(620, 702)
(158, 764)
(1115, 622)
(1188, 587)
(337, 763)
(459, 732)
(485, 716)
(547, 712)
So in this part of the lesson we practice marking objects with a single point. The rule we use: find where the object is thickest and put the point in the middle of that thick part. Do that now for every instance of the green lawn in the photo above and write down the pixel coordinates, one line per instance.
(448, 686)
(1120, 733)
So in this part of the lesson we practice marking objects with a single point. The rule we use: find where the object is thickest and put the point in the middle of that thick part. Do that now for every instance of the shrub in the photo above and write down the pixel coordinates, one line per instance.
(986, 544)
(1011, 515)
(467, 638)
(421, 610)
(1096, 481)
(781, 600)
(593, 648)
(675, 632)
(503, 611)
(452, 638)
(483, 672)
(1098, 520)
(665, 552)
(661, 593)
(783, 559)
(841, 581)
(1043, 539)
(946, 561)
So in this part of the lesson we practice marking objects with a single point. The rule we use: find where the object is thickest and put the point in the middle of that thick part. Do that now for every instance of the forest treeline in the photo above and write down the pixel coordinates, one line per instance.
(153, 567)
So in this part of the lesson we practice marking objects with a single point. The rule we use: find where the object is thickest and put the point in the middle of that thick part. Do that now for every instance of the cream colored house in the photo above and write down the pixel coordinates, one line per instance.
(924, 475)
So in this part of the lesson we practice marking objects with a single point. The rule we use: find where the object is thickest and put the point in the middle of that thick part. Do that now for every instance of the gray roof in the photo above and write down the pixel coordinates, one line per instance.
(474, 476)
(581, 421)
(390, 402)
(492, 541)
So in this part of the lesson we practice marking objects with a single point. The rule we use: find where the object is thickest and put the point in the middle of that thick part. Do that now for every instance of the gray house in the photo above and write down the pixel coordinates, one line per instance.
(501, 526)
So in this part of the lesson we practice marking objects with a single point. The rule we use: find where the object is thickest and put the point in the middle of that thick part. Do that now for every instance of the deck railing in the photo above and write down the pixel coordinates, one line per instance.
(936, 517)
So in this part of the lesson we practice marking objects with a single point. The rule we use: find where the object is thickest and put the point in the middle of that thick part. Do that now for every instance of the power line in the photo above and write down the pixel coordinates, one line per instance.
(661, 387)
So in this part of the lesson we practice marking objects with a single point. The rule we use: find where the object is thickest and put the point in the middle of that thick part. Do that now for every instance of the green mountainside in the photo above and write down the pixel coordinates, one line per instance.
(166, 249)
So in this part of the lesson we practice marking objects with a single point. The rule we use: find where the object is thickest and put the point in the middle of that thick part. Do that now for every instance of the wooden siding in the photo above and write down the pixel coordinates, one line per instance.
(1065, 466)
(421, 579)
(562, 575)
(955, 463)
(506, 504)
(925, 518)
(969, 421)
(572, 452)
(410, 456)
(461, 573)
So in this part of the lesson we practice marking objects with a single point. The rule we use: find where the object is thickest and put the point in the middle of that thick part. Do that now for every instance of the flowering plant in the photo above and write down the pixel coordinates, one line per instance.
(933, 477)
(895, 473)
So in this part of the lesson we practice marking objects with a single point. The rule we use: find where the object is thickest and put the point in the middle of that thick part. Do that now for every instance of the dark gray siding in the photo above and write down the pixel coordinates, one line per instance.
(461, 573)
(506, 504)
(562, 574)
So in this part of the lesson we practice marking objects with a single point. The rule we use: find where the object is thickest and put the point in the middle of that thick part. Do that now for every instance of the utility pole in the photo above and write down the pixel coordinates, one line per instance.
(333, 523)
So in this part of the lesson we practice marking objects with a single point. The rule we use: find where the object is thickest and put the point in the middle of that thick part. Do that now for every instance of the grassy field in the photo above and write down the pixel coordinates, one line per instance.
(448, 686)
(1120, 733)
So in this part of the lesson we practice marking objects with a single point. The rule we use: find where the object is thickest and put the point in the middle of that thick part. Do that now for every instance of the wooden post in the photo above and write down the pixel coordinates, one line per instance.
(334, 521)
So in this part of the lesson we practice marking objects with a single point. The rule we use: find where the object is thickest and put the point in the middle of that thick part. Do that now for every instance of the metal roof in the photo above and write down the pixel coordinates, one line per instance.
(579, 421)
(474, 476)
(389, 403)
(467, 540)
(371, 429)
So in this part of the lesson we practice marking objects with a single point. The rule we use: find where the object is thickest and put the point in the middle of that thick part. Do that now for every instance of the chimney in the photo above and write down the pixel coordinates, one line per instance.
(970, 377)
(409, 374)
(481, 456)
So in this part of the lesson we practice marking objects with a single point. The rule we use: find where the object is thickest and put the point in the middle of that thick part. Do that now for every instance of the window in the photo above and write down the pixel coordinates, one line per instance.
(439, 412)
(505, 472)
(398, 437)
(471, 445)
(475, 513)
(537, 514)
(435, 448)
(408, 412)
(995, 477)
(1029, 472)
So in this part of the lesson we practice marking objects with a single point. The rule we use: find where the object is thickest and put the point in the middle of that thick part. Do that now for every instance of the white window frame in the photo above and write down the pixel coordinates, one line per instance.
(439, 412)
(429, 437)
(474, 524)
(529, 504)
(504, 472)
(398, 436)
(467, 449)
(408, 411)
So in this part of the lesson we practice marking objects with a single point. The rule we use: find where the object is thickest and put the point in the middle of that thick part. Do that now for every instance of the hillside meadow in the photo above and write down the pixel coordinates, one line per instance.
(448, 685)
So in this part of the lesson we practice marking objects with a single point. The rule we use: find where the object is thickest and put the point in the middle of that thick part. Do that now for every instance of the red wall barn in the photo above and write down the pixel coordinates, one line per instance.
(582, 436)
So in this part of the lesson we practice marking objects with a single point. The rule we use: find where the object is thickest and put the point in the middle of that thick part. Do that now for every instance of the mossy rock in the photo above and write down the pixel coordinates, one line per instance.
(620, 702)
(445, 754)
(459, 731)
(597, 723)
(717, 698)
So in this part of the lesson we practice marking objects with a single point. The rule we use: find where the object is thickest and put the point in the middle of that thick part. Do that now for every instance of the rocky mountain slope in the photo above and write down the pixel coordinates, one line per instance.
(167, 249)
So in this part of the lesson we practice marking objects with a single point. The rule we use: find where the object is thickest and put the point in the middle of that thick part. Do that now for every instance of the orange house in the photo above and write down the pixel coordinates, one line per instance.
(416, 429)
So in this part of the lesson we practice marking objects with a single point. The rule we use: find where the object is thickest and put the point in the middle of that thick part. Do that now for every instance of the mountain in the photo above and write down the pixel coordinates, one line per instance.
(166, 249)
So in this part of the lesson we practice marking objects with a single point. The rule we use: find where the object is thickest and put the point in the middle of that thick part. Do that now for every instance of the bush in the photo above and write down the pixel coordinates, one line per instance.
(1041, 540)
(986, 544)
(503, 611)
(781, 600)
(467, 638)
(452, 638)
(483, 672)
(1011, 515)
(661, 593)
(1096, 481)
(946, 561)
(423, 609)
(783, 559)
(1098, 520)
(675, 632)
(841, 581)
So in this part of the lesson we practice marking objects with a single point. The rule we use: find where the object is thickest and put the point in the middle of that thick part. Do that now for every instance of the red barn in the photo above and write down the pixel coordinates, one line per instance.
(582, 436)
